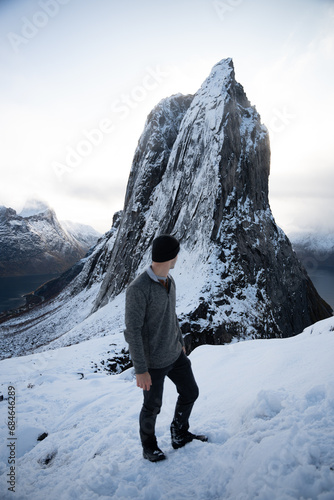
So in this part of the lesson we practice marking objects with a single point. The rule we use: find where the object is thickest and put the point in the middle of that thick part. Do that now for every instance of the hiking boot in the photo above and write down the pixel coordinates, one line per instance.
(153, 454)
(181, 438)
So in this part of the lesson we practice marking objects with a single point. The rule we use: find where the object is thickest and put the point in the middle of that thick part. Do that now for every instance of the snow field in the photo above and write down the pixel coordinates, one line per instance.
(266, 405)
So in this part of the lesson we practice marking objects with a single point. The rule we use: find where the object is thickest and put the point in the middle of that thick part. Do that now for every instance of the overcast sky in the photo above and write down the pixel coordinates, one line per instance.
(79, 77)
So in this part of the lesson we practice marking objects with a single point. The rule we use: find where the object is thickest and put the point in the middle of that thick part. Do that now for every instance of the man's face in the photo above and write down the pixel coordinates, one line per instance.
(172, 263)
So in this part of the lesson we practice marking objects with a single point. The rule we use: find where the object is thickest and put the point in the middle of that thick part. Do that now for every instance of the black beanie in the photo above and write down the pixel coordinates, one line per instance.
(165, 247)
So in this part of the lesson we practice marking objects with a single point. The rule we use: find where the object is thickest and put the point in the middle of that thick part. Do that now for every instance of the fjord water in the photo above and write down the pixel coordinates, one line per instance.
(323, 280)
(13, 289)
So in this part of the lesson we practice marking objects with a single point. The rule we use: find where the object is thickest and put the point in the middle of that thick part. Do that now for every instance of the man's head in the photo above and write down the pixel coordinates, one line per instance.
(165, 248)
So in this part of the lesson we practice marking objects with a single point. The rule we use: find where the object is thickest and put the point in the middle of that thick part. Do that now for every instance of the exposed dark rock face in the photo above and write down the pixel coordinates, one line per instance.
(149, 165)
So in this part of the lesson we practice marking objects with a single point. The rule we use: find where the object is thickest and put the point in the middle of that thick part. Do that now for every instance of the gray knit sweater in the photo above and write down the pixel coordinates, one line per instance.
(151, 325)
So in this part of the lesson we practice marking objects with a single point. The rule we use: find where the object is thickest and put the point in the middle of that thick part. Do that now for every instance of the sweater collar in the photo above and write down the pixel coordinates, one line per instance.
(153, 276)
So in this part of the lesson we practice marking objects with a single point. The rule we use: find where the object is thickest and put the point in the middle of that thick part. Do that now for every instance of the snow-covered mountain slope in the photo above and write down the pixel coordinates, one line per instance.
(266, 405)
(35, 242)
(200, 172)
(86, 235)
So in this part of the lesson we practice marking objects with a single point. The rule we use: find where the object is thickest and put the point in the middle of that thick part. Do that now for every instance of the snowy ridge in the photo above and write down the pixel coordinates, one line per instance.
(266, 405)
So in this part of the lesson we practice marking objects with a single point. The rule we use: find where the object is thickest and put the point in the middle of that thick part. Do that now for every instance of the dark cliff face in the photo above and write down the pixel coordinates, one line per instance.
(205, 180)
(149, 165)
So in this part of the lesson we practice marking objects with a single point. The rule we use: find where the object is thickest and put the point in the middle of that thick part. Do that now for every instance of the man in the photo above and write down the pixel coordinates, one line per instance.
(157, 348)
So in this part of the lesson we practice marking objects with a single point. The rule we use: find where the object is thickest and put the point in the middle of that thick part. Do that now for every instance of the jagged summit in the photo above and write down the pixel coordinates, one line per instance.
(200, 172)
(167, 173)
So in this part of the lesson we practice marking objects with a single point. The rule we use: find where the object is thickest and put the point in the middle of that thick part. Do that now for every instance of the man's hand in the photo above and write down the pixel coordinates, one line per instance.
(144, 381)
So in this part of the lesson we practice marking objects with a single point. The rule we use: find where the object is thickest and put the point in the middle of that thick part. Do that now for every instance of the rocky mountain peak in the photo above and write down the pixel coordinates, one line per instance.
(218, 156)
(209, 188)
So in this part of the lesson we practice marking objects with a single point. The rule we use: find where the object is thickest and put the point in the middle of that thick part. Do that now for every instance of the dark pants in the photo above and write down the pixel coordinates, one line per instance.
(180, 373)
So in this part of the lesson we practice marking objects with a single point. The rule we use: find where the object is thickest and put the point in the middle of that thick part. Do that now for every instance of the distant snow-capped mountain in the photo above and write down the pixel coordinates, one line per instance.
(86, 235)
(33, 207)
(319, 246)
(34, 242)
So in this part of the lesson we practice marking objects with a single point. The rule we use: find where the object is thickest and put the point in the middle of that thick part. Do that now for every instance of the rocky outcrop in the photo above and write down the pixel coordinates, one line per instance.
(148, 168)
